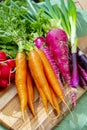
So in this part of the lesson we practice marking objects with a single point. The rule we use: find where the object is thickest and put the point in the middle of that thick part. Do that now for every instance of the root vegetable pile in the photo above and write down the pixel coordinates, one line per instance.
(39, 48)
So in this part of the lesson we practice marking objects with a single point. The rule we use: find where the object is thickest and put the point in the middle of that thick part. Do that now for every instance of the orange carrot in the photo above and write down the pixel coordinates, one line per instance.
(30, 92)
(50, 75)
(55, 102)
(43, 97)
(37, 71)
(20, 80)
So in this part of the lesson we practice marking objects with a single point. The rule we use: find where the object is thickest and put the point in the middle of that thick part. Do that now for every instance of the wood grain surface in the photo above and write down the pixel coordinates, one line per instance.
(10, 114)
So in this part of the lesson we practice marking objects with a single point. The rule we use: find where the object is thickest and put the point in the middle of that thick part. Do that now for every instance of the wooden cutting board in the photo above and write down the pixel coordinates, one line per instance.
(10, 114)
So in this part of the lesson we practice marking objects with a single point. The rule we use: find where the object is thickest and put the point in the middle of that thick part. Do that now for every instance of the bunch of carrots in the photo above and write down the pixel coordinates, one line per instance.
(32, 65)
(39, 64)
(36, 71)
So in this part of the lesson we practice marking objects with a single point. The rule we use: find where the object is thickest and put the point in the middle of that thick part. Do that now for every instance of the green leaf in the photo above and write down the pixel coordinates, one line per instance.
(65, 13)
(72, 19)
(81, 24)
(31, 7)
(49, 6)
(60, 16)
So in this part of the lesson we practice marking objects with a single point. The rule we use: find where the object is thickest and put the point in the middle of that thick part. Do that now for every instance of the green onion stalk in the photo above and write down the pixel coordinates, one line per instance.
(74, 42)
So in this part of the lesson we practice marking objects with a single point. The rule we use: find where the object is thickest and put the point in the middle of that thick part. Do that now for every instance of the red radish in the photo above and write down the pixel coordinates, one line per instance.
(2, 56)
(3, 83)
(4, 71)
(57, 41)
(12, 76)
(11, 63)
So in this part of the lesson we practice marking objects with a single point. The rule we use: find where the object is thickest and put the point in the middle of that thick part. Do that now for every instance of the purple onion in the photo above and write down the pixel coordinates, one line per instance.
(75, 74)
(83, 73)
(82, 82)
(82, 59)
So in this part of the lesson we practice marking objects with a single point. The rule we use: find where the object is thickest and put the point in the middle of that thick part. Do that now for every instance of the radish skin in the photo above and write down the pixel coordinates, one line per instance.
(4, 71)
(82, 59)
(82, 82)
(75, 75)
(57, 41)
(3, 83)
(11, 63)
(2, 56)
(83, 73)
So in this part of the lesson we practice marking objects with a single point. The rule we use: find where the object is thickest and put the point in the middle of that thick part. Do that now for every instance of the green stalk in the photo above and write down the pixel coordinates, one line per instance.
(40, 6)
(60, 16)
(72, 20)
(74, 43)
(30, 6)
(50, 9)
(65, 14)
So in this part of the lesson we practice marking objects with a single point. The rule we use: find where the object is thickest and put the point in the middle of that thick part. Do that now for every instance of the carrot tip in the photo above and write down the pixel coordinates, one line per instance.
(68, 108)
(23, 117)
(46, 109)
(34, 114)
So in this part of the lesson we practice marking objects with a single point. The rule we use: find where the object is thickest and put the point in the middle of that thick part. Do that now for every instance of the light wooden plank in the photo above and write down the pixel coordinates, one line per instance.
(7, 95)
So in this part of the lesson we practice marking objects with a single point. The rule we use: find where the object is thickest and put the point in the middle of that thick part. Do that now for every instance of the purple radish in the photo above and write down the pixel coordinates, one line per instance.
(40, 42)
(57, 41)
(75, 74)
(82, 82)
(82, 59)
(83, 73)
